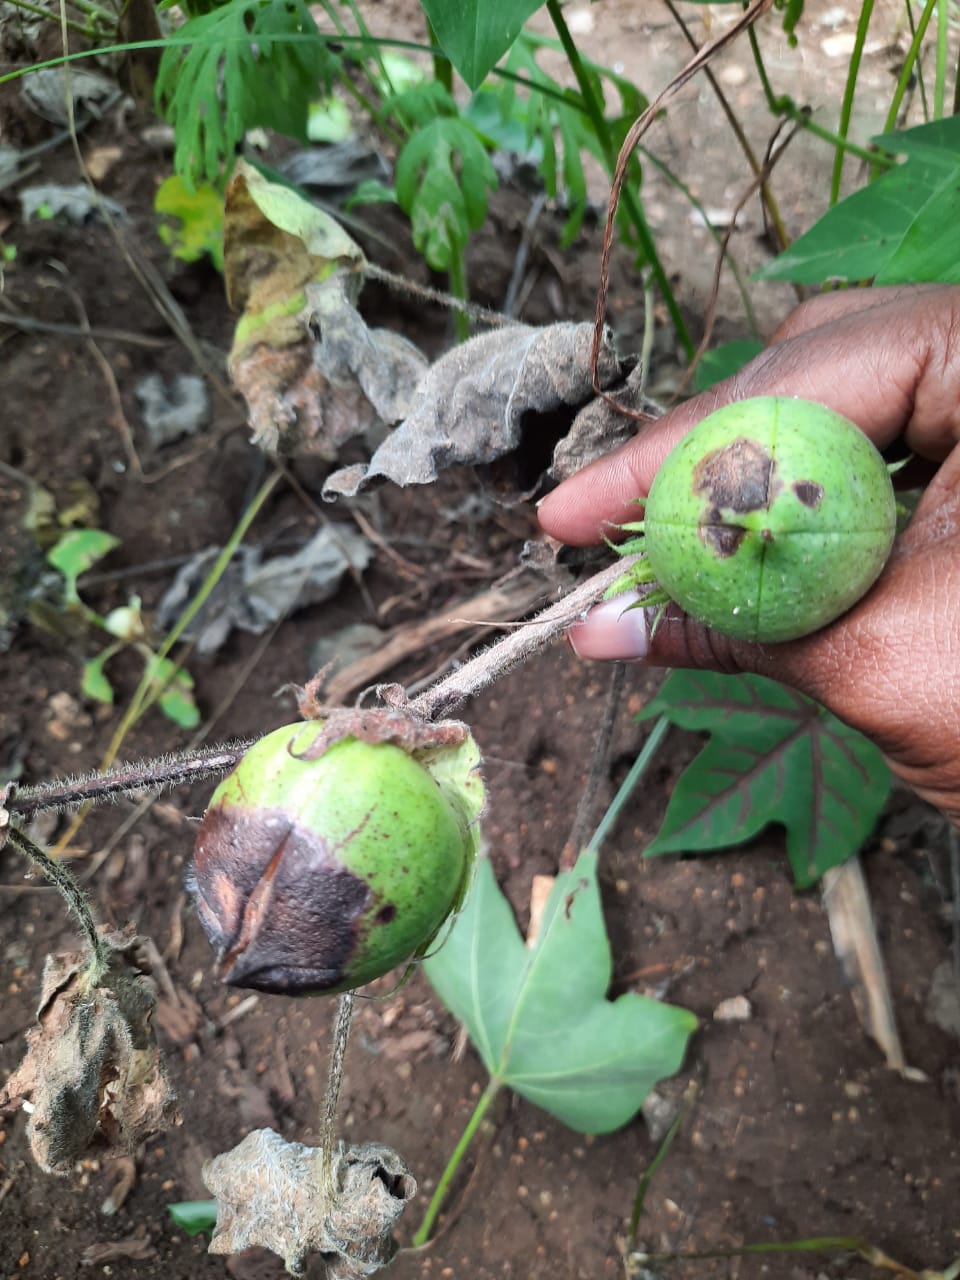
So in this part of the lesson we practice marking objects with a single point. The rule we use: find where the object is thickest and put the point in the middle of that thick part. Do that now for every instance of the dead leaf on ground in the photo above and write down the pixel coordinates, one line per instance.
(136, 1247)
(92, 1071)
(270, 1193)
(254, 593)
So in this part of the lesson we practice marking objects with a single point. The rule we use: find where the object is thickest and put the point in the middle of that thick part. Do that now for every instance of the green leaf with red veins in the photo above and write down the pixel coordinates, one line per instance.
(774, 756)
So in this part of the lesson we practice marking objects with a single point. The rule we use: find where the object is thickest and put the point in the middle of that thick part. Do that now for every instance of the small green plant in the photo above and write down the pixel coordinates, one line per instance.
(76, 552)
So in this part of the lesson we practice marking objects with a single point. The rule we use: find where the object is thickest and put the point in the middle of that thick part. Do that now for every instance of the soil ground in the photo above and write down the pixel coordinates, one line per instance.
(799, 1131)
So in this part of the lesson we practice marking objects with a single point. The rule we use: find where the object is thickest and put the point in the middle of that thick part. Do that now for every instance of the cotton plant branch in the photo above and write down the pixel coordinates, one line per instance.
(435, 702)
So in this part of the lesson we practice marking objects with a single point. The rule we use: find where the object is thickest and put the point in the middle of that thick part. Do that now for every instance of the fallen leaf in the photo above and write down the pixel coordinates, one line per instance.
(254, 593)
(311, 372)
(271, 1193)
(137, 1247)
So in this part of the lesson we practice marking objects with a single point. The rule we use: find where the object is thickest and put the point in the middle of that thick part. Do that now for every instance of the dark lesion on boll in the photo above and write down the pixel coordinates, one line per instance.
(738, 478)
(809, 493)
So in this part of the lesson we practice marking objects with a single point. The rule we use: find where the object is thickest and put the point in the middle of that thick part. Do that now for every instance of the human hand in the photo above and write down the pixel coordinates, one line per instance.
(888, 359)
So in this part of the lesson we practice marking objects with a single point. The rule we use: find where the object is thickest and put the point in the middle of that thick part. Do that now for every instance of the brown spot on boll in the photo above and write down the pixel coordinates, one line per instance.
(809, 492)
(739, 477)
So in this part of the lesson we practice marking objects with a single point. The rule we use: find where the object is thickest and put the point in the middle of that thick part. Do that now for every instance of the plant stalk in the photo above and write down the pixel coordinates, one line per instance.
(331, 1099)
(846, 106)
(637, 770)
(473, 1124)
(594, 111)
(67, 885)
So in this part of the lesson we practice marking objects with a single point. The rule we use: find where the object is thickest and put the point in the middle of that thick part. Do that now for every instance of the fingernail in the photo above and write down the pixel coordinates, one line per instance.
(612, 631)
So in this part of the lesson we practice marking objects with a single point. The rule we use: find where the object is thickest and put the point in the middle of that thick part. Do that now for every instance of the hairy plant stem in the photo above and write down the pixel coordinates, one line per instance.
(67, 885)
(594, 110)
(331, 1097)
(473, 1124)
(145, 775)
(517, 646)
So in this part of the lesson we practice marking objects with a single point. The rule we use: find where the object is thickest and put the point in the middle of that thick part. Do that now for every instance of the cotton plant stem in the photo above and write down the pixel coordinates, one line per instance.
(453, 1164)
(145, 775)
(331, 1098)
(66, 884)
(516, 647)
(637, 770)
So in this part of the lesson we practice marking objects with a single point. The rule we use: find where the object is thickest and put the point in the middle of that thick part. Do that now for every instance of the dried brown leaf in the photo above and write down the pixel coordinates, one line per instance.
(136, 1246)
(92, 1071)
(271, 1193)
(497, 394)
(313, 375)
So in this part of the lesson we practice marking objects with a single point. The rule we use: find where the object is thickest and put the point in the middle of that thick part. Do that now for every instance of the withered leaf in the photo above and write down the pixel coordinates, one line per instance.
(92, 1071)
(491, 396)
(313, 375)
(271, 1193)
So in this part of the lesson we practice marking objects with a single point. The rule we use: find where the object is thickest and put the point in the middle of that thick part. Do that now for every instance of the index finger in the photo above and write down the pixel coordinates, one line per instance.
(893, 368)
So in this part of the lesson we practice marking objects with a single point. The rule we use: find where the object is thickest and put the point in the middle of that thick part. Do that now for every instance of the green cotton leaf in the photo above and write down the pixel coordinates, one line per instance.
(246, 64)
(442, 179)
(95, 684)
(539, 1016)
(774, 756)
(176, 702)
(195, 1217)
(76, 552)
(197, 227)
(892, 231)
(475, 34)
(724, 361)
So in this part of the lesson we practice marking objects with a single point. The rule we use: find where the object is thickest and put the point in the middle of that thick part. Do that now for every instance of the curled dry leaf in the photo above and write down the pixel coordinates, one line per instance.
(503, 392)
(272, 1193)
(313, 375)
(92, 1070)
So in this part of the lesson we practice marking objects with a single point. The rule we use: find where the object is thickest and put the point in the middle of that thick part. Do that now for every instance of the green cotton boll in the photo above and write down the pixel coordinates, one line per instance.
(318, 875)
(769, 519)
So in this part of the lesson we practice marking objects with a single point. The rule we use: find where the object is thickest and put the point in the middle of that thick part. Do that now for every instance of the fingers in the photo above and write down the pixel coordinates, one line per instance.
(889, 667)
(889, 361)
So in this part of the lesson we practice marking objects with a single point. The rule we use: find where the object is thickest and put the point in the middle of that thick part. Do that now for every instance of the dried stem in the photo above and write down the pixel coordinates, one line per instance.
(328, 1118)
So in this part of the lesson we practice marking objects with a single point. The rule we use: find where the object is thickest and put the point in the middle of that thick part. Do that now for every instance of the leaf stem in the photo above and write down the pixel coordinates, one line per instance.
(473, 1124)
(517, 646)
(67, 885)
(458, 289)
(906, 71)
(637, 770)
(846, 106)
(594, 111)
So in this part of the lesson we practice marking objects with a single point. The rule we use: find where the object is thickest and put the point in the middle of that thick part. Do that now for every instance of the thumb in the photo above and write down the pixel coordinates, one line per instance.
(624, 630)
